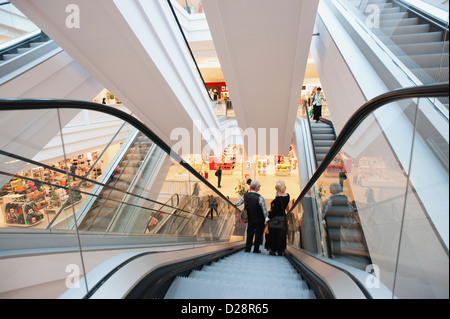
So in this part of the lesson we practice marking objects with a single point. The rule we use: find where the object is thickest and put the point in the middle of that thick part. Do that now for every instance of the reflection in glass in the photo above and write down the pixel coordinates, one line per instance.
(129, 185)
(413, 33)
(382, 203)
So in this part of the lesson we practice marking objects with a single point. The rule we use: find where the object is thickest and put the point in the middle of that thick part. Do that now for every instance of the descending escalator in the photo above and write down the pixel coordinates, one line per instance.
(323, 136)
(168, 220)
(23, 46)
(190, 218)
(121, 179)
(344, 234)
(239, 276)
(403, 228)
(420, 41)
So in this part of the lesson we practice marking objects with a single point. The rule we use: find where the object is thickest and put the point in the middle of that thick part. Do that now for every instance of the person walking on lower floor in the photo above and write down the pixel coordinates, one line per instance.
(219, 176)
(257, 216)
(276, 239)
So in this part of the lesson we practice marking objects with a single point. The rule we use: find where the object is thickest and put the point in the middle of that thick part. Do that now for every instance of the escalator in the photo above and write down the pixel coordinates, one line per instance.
(403, 43)
(340, 216)
(323, 137)
(378, 221)
(401, 233)
(27, 47)
(190, 218)
(122, 197)
(403, 229)
(22, 44)
(420, 42)
(171, 221)
(239, 277)
(386, 249)
(344, 233)
(119, 180)
(225, 272)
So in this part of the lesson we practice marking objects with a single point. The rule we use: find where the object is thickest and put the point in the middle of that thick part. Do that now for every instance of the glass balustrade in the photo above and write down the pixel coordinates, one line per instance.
(382, 204)
(14, 25)
(126, 189)
(132, 192)
(413, 33)
(208, 66)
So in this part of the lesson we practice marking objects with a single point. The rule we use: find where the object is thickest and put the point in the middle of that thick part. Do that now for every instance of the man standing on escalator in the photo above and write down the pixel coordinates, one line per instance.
(257, 216)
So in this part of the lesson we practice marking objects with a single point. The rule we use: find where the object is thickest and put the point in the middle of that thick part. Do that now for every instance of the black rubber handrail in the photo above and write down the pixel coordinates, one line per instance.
(188, 47)
(81, 178)
(424, 16)
(97, 196)
(42, 104)
(156, 284)
(311, 133)
(425, 91)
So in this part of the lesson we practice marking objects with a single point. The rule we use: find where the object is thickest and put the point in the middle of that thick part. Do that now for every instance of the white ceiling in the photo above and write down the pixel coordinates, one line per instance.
(263, 50)
(134, 49)
(203, 47)
(212, 71)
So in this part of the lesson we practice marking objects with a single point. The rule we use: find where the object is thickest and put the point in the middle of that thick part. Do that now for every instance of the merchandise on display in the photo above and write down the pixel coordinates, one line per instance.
(26, 198)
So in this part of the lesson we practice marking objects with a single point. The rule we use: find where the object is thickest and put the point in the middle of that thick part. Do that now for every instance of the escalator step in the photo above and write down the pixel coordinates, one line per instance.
(242, 276)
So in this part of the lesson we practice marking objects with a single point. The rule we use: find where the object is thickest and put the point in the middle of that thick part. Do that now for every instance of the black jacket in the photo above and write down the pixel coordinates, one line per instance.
(278, 206)
(255, 212)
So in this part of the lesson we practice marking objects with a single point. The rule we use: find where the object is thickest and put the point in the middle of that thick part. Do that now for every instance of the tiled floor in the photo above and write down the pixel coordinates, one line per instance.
(230, 182)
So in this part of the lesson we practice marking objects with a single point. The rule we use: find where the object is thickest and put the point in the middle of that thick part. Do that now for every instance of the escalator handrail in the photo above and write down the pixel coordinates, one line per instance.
(395, 58)
(174, 213)
(189, 48)
(424, 91)
(162, 206)
(422, 14)
(86, 176)
(40, 104)
(311, 134)
(12, 44)
(90, 194)
(81, 178)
